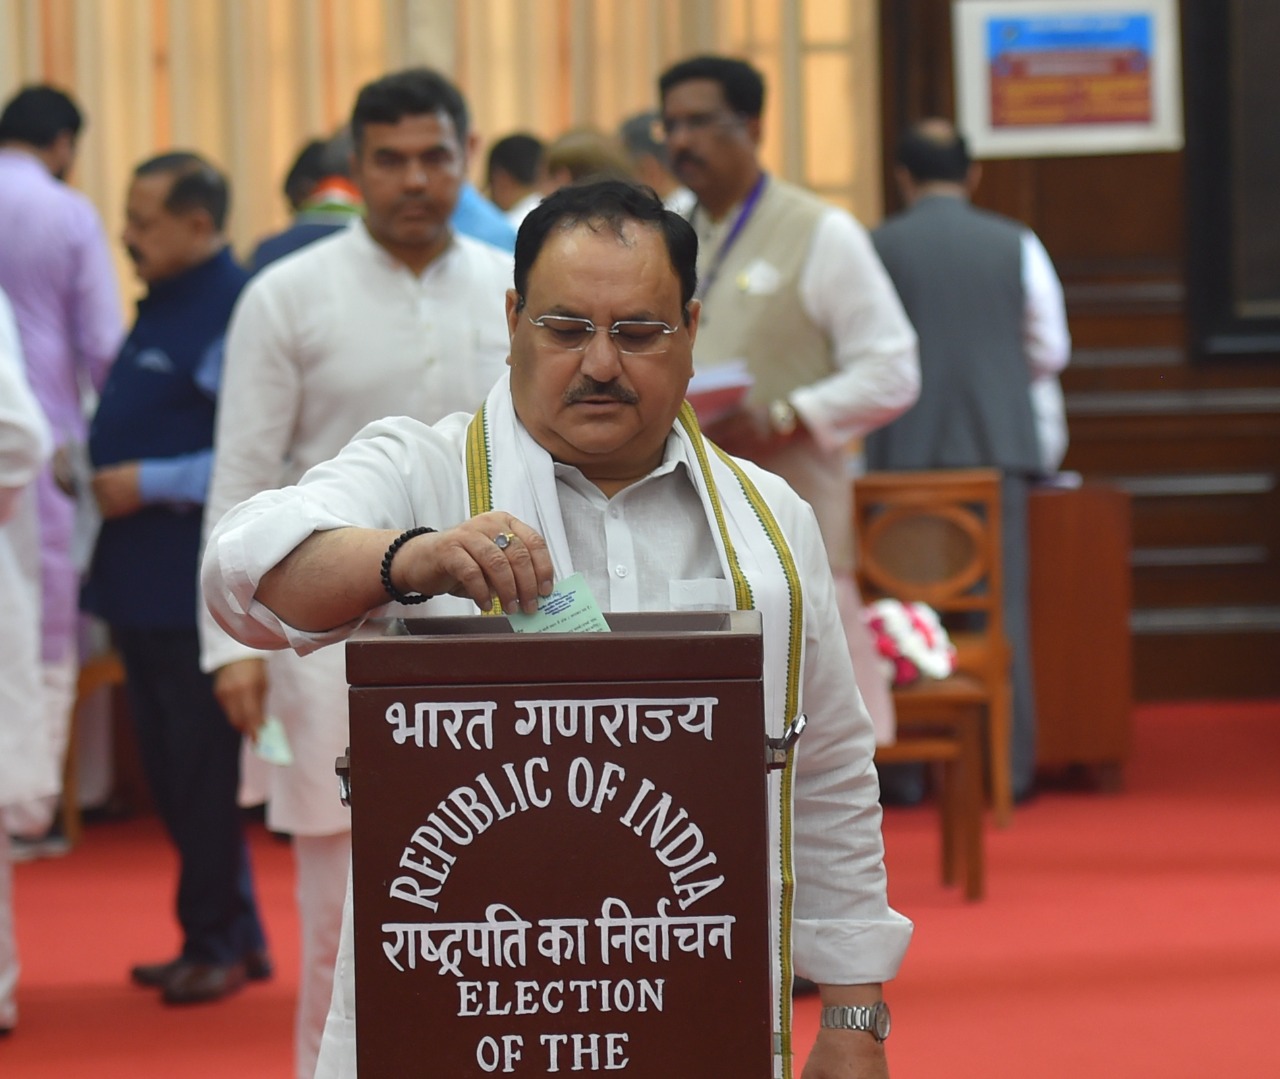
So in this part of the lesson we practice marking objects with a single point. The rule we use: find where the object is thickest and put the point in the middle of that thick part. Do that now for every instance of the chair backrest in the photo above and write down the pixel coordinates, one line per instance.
(934, 537)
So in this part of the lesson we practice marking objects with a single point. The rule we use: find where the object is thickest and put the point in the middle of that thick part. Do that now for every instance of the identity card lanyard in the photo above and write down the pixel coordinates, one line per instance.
(748, 207)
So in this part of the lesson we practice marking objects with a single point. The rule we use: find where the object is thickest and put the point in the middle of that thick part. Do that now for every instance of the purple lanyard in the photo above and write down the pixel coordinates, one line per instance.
(748, 207)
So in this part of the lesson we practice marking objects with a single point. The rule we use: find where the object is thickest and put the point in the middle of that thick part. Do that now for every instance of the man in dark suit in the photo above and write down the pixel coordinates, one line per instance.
(988, 309)
(151, 443)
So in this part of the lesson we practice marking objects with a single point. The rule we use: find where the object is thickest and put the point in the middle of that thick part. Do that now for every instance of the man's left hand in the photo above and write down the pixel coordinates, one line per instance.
(846, 1054)
(115, 488)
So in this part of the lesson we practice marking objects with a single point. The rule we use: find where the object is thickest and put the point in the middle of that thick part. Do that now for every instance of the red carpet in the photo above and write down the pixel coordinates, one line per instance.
(1128, 935)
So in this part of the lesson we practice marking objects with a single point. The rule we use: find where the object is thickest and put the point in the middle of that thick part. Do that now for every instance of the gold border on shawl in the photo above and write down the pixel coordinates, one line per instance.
(794, 643)
(479, 480)
(741, 587)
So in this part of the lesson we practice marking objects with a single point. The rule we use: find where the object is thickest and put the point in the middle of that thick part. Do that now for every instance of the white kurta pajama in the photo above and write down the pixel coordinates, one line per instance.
(831, 284)
(399, 474)
(323, 342)
(28, 766)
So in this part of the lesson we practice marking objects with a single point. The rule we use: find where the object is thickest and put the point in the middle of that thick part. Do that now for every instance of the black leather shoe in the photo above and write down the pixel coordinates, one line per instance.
(202, 983)
(155, 975)
(258, 966)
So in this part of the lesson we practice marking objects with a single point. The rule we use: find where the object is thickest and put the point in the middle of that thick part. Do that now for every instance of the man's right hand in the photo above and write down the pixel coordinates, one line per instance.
(241, 689)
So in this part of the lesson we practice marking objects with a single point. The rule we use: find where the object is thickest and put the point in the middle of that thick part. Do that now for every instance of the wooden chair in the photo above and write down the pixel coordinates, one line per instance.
(102, 670)
(934, 537)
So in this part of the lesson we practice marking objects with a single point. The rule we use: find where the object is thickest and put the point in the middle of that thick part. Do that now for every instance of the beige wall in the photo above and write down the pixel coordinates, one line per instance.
(247, 81)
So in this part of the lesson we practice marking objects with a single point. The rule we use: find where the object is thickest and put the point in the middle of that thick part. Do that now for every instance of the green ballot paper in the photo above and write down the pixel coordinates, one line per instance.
(272, 745)
(571, 608)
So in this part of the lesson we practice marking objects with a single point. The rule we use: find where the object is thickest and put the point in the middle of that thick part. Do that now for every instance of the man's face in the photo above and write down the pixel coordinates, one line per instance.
(410, 173)
(604, 411)
(162, 244)
(710, 146)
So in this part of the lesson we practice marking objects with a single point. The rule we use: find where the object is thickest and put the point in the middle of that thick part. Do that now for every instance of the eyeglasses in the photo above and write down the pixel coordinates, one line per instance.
(697, 121)
(636, 338)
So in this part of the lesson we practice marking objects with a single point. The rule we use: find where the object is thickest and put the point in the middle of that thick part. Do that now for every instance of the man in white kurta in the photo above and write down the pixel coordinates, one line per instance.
(28, 768)
(792, 288)
(587, 461)
(396, 315)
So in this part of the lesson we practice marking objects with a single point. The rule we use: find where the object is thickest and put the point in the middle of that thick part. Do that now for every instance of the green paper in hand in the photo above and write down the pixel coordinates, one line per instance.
(272, 745)
(571, 608)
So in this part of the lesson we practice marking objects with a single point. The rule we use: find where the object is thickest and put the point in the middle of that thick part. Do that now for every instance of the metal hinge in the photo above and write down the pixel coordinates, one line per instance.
(342, 765)
(778, 750)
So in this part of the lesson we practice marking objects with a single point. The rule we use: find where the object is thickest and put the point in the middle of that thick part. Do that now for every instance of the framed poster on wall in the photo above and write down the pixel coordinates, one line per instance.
(1038, 78)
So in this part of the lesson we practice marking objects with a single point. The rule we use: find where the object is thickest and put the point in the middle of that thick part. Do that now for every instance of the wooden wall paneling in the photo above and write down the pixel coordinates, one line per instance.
(1124, 207)
(1141, 411)
(1175, 443)
(916, 75)
(1227, 664)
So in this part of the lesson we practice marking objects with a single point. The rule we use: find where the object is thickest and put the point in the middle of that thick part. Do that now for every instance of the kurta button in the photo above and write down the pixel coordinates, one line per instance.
(621, 571)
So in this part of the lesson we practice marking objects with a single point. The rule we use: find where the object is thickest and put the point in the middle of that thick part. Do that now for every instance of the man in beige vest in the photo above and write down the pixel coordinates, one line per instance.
(793, 287)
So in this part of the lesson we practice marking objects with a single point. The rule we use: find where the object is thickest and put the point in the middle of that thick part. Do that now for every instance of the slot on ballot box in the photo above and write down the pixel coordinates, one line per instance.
(560, 848)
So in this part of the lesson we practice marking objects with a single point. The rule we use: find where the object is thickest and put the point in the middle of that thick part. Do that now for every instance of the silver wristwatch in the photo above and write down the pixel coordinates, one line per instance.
(874, 1019)
(783, 419)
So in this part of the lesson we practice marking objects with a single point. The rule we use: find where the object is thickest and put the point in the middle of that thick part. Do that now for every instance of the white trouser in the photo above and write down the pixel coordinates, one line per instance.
(338, 1050)
(32, 819)
(323, 864)
(8, 938)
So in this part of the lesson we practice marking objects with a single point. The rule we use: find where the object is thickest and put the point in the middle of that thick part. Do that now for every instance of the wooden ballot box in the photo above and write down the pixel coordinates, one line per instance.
(560, 848)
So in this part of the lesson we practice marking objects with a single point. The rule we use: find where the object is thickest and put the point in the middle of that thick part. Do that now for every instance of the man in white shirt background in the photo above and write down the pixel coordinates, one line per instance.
(396, 315)
(988, 308)
(793, 287)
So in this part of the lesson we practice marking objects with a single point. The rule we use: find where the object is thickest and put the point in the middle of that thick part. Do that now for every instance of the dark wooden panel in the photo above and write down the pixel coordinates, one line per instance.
(1080, 599)
(1120, 329)
(1233, 166)
(1228, 520)
(1158, 445)
(1138, 404)
(1155, 366)
(1206, 666)
(1205, 586)
(1083, 215)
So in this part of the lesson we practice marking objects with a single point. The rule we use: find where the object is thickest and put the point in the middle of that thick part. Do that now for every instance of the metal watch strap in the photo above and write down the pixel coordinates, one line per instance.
(783, 420)
(872, 1018)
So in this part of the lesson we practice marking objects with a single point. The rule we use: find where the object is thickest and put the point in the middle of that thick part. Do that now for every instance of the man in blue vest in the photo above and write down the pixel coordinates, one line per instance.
(151, 446)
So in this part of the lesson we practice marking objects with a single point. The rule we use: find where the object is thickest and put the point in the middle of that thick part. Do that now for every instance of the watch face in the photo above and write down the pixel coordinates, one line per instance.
(880, 1021)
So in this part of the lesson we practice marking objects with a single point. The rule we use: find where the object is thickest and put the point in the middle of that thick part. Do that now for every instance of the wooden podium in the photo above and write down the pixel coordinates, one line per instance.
(560, 848)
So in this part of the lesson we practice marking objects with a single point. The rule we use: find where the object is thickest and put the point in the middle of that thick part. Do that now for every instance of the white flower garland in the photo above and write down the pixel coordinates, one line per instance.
(911, 640)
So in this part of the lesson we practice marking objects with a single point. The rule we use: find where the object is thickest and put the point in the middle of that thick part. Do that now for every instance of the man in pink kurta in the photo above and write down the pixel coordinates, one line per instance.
(56, 268)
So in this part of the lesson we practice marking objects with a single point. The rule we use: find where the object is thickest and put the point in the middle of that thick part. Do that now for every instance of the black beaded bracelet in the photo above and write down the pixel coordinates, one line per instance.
(392, 590)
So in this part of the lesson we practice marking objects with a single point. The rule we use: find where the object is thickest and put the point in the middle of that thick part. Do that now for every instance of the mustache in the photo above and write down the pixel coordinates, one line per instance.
(135, 256)
(686, 157)
(589, 387)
